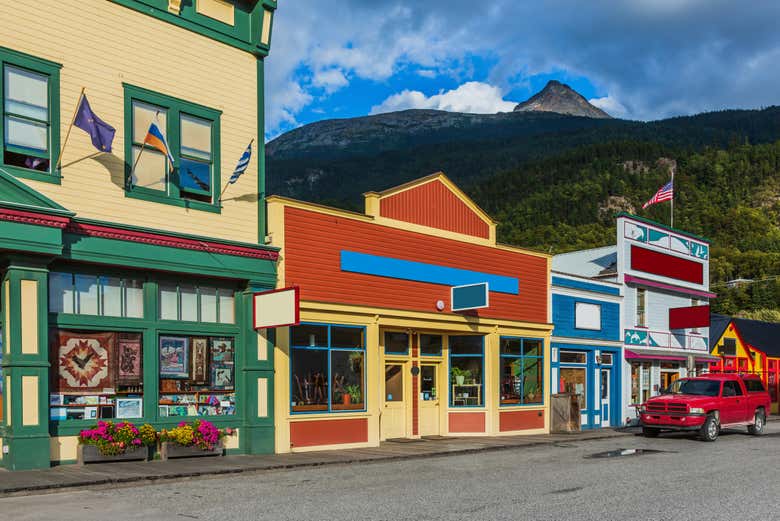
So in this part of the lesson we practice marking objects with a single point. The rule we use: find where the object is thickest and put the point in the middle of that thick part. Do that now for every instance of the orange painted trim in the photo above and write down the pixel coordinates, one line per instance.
(520, 420)
(328, 432)
(467, 421)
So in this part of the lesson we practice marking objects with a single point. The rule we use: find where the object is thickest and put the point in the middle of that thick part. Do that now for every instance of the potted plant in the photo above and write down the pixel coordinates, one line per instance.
(108, 441)
(345, 398)
(196, 438)
(459, 375)
(354, 392)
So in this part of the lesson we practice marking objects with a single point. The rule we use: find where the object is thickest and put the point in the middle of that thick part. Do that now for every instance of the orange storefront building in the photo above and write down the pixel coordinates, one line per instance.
(414, 322)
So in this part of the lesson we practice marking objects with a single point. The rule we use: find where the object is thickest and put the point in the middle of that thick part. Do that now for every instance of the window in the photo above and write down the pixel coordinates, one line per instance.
(327, 366)
(192, 133)
(396, 343)
(466, 369)
(573, 357)
(430, 345)
(30, 110)
(587, 316)
(522, 371)
(196, 303)
(606, 358)
(84, 294)
(754, 385)
(197, 376)
(99, 375)
(731, 388)
(641, 301)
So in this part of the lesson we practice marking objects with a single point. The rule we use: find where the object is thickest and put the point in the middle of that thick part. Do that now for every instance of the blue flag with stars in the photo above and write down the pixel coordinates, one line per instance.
(102, 133)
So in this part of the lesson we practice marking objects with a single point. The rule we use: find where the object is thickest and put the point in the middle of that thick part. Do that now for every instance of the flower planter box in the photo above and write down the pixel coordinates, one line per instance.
(91, 454)
(169, 450)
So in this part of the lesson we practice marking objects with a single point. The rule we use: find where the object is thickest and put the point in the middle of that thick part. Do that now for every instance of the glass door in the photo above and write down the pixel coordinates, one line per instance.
(393, 420)
(606, 393)
(429, 400)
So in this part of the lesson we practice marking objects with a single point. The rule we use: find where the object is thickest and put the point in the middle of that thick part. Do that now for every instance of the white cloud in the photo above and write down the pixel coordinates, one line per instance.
(611, 106)
(473, 96)
(330, 80)
(427, 73)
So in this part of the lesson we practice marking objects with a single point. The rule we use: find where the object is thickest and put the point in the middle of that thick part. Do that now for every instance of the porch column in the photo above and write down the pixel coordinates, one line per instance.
(25, 366)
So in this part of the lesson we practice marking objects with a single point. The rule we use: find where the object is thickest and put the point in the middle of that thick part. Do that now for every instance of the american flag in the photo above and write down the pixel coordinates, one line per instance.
(665, 193)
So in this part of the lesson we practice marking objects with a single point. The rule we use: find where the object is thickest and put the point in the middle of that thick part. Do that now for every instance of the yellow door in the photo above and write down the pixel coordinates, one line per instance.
(393, 420)
(429, 400)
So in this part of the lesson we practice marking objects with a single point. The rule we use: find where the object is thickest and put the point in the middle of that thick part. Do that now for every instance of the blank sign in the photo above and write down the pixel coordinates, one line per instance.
(277, 308)
(588, 316)
(470, 296)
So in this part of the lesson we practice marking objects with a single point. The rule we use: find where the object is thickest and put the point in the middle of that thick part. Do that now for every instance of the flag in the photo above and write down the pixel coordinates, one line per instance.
(155, 139)
(243, 162)
(102, 133)
(665, 193)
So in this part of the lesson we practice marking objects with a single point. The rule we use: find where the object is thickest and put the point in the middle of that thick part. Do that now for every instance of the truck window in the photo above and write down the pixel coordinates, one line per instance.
(754, 386)
(700, 387)
(732, 386)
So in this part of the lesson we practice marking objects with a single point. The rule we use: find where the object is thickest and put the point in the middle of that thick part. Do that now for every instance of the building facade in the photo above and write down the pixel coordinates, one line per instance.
(126, 279)
(380, 353)
(747, 347)
(587, 350)
(664, 273)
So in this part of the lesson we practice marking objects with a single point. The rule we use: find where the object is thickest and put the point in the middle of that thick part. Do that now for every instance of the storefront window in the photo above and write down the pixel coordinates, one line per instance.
(197, 376)
(98, 375)
(327, 365)
(396, 343)
(191, 303)
(430, 345)
(640, 382)
(466, 370)
(574, 380)
(95, 295)
(522, 371)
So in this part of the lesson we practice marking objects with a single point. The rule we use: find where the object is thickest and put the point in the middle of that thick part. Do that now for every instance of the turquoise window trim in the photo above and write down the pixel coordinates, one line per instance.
(52, 70)
(523, 357)
(481, 357)
(174, 107)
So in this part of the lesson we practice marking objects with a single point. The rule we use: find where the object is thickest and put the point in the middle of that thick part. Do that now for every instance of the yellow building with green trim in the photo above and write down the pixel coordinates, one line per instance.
(127, 280)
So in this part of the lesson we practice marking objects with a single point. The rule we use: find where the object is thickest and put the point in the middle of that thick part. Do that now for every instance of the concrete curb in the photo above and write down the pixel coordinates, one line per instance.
(53, 487)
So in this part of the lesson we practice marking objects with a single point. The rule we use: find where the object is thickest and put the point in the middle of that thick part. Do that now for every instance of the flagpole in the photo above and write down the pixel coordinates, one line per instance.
(672, 218)
(67, 134)
(228, 184)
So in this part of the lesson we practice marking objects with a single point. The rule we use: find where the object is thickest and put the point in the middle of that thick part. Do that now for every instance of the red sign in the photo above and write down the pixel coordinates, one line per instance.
(689, 317)
(665, 265)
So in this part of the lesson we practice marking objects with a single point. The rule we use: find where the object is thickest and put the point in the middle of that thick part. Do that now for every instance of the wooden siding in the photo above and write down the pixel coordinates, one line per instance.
(564, 318)
(313, 242)
(520, 420)
(467, 421)
(328, 432)
(102, 45)
(433, 204)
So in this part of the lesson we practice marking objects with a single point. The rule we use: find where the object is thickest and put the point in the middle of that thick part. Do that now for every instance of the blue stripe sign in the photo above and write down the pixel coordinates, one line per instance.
(423, 272)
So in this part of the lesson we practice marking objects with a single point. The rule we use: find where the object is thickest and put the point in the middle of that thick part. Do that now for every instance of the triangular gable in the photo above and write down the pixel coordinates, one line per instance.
(16, 194)
(436, 202)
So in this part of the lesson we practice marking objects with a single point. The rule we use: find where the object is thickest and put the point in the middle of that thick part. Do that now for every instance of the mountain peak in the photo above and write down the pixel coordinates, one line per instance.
(562, 99)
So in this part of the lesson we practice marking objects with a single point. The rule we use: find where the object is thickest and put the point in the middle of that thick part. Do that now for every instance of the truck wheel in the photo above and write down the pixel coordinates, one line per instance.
(710, 429)
(650, 432)
(759, 420)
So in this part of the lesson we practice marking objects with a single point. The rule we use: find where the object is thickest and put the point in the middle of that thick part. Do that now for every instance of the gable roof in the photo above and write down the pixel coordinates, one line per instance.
(17, 195)
(764, 336)
(718, 325)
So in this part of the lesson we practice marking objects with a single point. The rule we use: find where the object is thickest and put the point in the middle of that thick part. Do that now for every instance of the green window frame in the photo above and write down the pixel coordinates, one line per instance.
(178, 190)
(11, 154)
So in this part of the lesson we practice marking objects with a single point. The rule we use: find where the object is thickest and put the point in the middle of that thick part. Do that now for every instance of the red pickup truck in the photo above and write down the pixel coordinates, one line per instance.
(707, 403)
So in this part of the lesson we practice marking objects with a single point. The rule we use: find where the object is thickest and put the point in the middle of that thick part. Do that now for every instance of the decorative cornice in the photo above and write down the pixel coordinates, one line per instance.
(40, 219)
(156, 239)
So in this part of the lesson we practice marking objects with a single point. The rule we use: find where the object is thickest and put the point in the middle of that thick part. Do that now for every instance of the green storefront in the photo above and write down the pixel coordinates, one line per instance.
(107, 321)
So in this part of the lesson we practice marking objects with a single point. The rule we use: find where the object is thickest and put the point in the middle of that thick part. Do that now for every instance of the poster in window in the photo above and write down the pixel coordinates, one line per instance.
(221, 350)
(129, 407)
(221, 376)
(129, 360)
(200, 369)
(173, 357)
(83, 361)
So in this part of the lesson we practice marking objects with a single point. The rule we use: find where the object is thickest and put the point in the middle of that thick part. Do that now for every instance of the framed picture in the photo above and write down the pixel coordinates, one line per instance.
(129, 360)
(169, 386)
(90, 413)
(173, 357)
(106, 411)
(200, 361)
(56, 399)
(164, 410)
(58, 413)
(83, 360)
(222, 351)
(222, 376)
(177, 410)
(129, 407)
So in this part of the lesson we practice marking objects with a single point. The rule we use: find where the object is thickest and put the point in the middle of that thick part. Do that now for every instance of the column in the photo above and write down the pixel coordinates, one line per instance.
(25, 366)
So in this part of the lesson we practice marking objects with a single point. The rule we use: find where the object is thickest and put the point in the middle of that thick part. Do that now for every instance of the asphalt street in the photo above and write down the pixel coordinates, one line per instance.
(737, 477)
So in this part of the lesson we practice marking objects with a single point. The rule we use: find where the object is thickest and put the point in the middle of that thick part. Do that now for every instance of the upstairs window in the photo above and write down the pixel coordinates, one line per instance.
(29, 133)
(192, 134)
(641, 303)
(192, 303)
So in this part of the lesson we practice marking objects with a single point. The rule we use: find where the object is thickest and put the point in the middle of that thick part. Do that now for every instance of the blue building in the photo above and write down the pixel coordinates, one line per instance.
(587, 346)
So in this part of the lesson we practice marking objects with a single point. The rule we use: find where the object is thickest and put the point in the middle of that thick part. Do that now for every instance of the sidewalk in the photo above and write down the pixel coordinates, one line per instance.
(108, 474)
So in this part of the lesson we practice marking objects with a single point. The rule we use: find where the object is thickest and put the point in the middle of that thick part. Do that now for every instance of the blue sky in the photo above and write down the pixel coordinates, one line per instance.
(637, 59)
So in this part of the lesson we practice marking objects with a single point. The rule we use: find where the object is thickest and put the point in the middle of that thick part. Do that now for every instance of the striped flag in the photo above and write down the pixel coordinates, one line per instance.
(665, 193)
(242, 164)
(155, 139)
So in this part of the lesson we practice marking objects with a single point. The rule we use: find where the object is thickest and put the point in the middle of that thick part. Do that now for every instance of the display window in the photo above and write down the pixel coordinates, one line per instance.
(522, 371)
(467, 364)
(327, 368)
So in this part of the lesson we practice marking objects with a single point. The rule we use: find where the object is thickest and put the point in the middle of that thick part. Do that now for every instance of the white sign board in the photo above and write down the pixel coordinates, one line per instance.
(277, 308)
